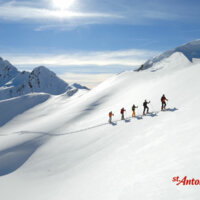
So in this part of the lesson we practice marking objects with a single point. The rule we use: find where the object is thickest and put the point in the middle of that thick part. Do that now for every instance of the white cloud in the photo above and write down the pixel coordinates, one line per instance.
(17, 11)
(49, 15)
(89, 80)
(87, 68)
(130, 57)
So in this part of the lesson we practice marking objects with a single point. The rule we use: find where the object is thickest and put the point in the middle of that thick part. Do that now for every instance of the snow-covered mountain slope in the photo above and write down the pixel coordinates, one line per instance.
(20, 91)
(39, 80)
(190, 50)
(172, 63)
(14, 83)
(16, 106)
(65, 149)
(7, 71)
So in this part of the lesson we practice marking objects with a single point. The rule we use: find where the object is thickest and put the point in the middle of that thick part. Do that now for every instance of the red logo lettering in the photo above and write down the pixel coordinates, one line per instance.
(185, 181)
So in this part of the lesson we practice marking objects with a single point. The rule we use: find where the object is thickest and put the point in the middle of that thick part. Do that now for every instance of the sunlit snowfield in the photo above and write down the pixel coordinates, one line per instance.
(64, 148)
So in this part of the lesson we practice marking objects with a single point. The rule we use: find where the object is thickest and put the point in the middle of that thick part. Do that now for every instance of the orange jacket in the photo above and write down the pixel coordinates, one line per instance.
(110, 114)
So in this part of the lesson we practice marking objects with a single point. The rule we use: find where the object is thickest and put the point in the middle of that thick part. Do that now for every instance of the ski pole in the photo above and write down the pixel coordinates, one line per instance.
(152, 107)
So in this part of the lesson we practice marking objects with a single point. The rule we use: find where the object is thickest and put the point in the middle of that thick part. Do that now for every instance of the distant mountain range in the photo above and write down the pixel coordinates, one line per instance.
(14, 83)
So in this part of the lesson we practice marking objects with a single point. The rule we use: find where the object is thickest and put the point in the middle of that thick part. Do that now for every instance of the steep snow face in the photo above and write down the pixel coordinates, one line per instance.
(191, 50)
(7, 71)
(174, 62)
(18, 80)
(42, 79)
(39, 80)
(14, 83)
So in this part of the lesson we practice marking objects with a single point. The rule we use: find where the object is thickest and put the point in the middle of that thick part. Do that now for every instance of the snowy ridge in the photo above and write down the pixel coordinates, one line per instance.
(14, 83)
(190, 50)
(174, 62)
(7, 71)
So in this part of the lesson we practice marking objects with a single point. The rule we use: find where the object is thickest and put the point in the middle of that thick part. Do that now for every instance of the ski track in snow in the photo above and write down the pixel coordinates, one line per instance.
(14, 157)
(114, 123)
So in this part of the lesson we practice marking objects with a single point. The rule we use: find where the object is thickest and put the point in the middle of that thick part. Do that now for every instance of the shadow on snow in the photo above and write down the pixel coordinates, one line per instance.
(14, 157)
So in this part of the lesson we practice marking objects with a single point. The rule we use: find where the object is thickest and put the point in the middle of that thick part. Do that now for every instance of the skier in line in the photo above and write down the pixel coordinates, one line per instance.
(110, 116)
(146, 107)
(163, 101)
(133, 109)
(122, 113)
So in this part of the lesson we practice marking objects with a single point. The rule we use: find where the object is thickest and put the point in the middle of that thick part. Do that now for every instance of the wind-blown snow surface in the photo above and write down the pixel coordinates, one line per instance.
(15, 106)
(64, 148)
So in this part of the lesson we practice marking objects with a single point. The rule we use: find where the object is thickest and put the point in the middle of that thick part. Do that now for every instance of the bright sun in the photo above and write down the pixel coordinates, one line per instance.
(62, 4)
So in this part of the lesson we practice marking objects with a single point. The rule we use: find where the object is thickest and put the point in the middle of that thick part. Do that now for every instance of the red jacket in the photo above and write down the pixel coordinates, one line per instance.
(163, 99)
(122, 110)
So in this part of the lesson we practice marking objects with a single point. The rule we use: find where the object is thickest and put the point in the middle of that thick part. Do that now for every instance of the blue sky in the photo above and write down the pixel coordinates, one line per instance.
(86, 41)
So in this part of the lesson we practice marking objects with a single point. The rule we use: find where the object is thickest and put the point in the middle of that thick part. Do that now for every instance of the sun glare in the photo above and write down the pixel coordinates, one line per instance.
(63, 4)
